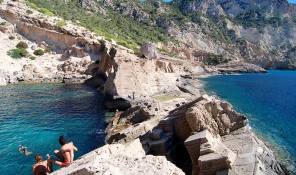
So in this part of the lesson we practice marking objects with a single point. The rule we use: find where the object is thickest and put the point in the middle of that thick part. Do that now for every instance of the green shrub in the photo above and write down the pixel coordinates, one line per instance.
(11, 37)
(227, 60)
(61, 23)
(128, 44)
(22, 45)
(39, 52)
(31, 4)
(138, 53)
(32, 57)
(45, 11)
(47, 50)
(123, 43)
(29, 12)
(2, 23)
(1, 1)
(108, 39)
(17, 53)
(216, 59)
(102, 41)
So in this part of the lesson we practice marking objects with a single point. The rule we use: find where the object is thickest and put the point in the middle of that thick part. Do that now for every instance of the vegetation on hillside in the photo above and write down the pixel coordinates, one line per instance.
(38, 52)
(20, 50)
(113, 25)
(11, 37)
(22, 45)
(17, 53)
(255, 18)
(61, 23)
(132, 22)
(216, 59)
(131, 33)
(29, 12)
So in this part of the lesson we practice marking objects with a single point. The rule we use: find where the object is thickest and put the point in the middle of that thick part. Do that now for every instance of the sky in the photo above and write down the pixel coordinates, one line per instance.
(290, 1)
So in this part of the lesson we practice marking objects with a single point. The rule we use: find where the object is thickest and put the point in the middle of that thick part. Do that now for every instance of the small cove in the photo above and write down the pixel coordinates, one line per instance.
(269, 102)
(35, 115)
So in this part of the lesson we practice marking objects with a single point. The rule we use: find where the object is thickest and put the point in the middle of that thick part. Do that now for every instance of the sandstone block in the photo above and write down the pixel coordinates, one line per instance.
(159, 147)
(213, 162)
(194, 142)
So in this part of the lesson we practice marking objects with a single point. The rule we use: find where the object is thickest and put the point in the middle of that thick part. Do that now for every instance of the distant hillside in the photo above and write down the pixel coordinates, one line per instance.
(212, 31)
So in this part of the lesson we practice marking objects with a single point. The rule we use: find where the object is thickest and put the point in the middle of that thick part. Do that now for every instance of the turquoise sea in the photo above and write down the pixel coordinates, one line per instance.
(35, 115)
(269, 101)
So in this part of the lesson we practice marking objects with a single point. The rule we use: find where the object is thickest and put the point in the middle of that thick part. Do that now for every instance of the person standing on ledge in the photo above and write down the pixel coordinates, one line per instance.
(41, 168)
(65, 154)
(116, 113)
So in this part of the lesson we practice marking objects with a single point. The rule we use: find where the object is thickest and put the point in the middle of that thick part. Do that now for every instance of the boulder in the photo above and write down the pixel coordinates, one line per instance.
(187, 87)
(149, 51)
(118, 103)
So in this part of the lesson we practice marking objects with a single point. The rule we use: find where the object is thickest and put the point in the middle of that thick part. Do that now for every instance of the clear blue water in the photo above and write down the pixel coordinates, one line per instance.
(35, 115)
(269, 101)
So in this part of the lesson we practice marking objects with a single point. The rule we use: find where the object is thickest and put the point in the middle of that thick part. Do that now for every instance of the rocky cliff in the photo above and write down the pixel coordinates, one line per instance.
(202, 136)
(259, 32)
(69, 51)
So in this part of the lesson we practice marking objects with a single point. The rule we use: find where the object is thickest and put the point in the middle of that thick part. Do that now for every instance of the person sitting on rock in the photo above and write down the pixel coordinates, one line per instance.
(65, 154)
(41, 167)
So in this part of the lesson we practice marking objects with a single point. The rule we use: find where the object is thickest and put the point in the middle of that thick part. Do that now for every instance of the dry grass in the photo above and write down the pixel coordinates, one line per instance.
(164, 98)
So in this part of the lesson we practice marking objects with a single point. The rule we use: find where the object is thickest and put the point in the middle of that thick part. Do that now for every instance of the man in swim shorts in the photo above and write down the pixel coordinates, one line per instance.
(41, 167)
(65, 154)
(24, 150)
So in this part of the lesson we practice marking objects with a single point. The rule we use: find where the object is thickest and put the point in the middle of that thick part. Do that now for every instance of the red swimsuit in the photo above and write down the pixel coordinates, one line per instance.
(65, 164)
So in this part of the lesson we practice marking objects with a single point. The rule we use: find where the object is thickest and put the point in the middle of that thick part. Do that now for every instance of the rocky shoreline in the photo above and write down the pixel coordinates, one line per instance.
(165, 126)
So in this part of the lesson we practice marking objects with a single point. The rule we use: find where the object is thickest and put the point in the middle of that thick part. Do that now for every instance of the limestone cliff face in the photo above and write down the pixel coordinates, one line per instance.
(268, 46)
(60, 39)
(261, 32)
(203, 136)
(218, 7)
(123, 76)
(72, 49)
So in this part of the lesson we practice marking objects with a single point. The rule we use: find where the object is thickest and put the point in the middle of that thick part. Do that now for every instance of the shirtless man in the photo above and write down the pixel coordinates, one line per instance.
(41, 168)
(66, 153)
(24, 150)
